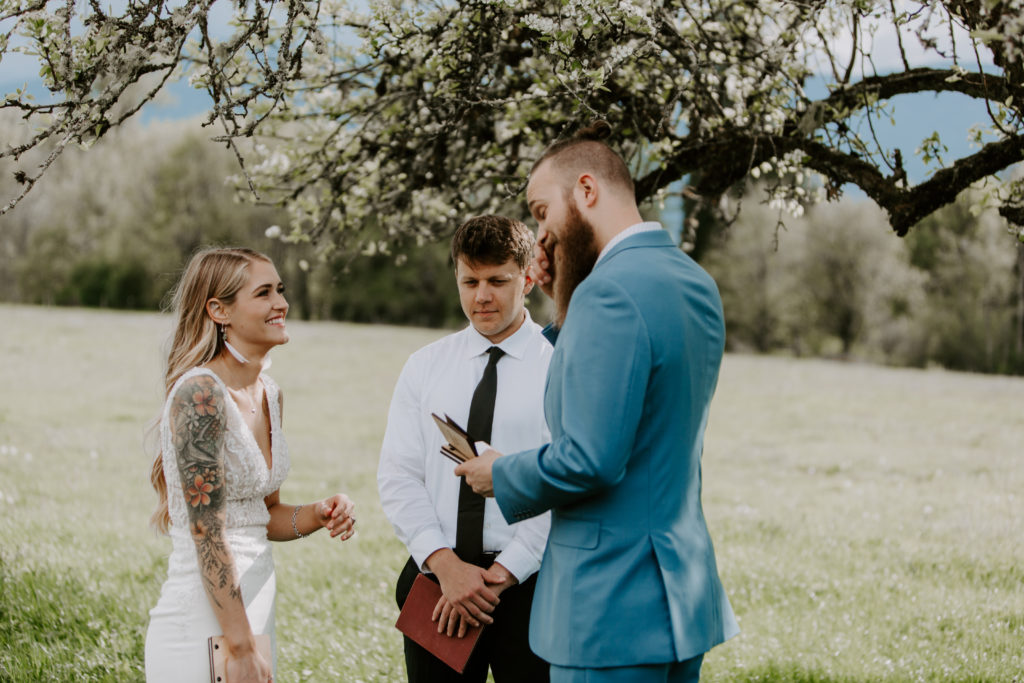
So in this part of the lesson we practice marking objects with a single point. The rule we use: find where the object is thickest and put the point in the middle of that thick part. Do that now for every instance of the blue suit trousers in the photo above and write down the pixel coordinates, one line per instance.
(675, 672)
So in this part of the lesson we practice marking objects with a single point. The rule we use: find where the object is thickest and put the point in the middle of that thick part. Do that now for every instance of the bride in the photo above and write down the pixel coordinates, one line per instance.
(221, 464)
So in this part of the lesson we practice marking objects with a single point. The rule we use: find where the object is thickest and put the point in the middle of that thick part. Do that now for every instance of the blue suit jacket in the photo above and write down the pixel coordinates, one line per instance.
(629, 574)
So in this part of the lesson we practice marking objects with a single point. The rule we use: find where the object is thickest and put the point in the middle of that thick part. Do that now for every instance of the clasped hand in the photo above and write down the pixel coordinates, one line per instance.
(336, 515)
(468, 593)
(467, 599)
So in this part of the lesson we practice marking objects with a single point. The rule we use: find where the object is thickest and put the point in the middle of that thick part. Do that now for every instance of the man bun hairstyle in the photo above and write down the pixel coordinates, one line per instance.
(492, 240)
(598, 130)
(586, 152)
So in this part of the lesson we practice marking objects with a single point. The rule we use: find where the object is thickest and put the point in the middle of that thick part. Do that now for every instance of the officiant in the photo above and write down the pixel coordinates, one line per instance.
(488, 377)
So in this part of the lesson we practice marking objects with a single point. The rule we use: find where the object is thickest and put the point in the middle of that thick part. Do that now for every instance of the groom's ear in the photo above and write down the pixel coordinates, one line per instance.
(586, 190)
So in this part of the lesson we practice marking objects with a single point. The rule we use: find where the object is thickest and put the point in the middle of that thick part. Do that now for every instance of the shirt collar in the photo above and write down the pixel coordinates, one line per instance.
(646, 226)
(513, 345)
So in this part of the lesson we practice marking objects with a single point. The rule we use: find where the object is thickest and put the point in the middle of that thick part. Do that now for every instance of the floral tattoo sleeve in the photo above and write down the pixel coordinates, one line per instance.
(199, 423)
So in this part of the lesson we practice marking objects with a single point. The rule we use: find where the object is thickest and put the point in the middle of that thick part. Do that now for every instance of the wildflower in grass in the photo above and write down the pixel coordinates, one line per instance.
(199, 492)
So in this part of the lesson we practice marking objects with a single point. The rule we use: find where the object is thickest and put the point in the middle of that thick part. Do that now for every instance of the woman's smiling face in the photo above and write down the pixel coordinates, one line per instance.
(257, 316)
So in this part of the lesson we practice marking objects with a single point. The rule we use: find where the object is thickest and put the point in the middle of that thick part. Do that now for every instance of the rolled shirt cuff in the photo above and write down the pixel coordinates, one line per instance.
(425, 545)
(518, 560)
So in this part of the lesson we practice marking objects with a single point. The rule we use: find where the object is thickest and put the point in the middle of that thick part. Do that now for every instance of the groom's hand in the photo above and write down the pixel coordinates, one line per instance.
(466, 599)
(477, 472)
(540, 268)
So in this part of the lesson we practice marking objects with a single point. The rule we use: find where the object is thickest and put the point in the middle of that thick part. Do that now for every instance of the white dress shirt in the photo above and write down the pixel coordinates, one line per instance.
(418, 490)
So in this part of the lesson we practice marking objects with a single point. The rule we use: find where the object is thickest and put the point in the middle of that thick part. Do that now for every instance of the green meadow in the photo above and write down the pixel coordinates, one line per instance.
(869, 521)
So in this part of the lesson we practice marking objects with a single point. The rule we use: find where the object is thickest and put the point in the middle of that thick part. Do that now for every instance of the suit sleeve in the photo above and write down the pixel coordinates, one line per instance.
(606, 361)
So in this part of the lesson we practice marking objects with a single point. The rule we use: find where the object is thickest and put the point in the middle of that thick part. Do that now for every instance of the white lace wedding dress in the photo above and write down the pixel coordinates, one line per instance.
(182, 620)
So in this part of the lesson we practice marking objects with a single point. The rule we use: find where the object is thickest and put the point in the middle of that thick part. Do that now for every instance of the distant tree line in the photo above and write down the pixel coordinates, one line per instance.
(114, 225)
(113, 228)
(834, 283)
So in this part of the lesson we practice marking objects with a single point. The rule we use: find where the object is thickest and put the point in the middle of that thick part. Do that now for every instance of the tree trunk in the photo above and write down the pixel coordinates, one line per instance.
(700, 224)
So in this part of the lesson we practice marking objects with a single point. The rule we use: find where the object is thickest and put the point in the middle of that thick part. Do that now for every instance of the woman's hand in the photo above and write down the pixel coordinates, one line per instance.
(335, 515)
(250, 667)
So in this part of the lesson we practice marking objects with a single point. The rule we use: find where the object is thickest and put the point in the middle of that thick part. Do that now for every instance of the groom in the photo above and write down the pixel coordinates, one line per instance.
(628, 589)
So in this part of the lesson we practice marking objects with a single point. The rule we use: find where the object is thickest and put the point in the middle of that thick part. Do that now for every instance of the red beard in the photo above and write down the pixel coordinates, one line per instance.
(575, 254)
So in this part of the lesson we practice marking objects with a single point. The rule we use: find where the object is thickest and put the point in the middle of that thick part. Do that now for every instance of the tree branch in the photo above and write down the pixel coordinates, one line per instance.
(979, 85)
(943, 187)
(725, 161)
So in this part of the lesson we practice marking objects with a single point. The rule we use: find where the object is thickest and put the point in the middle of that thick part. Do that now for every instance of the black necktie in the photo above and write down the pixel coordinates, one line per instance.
(469, 532)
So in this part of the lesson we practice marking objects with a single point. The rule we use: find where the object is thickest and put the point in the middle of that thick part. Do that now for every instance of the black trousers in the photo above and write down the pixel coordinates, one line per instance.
(503, 646)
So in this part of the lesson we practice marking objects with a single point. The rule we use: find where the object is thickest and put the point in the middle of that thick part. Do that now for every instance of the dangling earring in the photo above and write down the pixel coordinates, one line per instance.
(231, 349)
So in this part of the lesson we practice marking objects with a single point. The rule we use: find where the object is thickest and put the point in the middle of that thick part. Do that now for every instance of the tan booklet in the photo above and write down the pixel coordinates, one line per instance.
(219, 655)
(461, 446)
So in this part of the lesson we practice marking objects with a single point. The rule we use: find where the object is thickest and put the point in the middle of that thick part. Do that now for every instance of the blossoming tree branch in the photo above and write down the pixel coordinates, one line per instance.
(381, 125)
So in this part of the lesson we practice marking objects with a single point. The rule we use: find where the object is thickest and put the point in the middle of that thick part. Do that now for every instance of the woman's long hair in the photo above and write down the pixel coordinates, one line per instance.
(211, 274)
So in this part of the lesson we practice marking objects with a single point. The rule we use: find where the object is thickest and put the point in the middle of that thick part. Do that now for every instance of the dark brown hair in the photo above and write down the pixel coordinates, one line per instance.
(492, 240)
(586, 152)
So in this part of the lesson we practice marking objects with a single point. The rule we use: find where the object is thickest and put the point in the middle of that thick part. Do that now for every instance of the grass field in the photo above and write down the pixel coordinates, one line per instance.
(869, 522)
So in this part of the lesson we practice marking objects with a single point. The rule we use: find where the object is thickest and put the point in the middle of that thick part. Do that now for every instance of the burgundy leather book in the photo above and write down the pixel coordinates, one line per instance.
(414, 621)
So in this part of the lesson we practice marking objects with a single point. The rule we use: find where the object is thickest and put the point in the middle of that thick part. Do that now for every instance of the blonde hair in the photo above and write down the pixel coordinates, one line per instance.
(211, 274)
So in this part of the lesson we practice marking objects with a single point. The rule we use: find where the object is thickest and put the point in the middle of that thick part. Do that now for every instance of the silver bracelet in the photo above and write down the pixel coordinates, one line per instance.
(295, 528)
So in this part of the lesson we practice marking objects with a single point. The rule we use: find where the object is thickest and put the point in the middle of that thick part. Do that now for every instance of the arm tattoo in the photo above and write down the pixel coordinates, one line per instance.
(199, 424)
